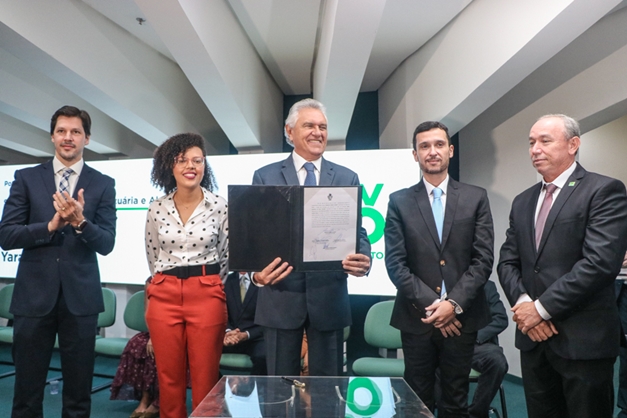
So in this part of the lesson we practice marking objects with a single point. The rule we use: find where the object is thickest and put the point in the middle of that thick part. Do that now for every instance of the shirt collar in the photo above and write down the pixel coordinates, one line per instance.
(300, 161)
(77, 167)
(430, 187)
(560, 181)
(208, 198)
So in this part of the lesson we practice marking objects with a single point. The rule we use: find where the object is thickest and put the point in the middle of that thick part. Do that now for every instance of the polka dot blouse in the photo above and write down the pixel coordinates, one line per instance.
(202, 240)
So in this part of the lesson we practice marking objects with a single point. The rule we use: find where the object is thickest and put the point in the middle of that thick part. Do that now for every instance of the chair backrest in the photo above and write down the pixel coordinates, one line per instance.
(134, 316)
(107, 318)
(377, 329)
(6, 293)
(347, 333)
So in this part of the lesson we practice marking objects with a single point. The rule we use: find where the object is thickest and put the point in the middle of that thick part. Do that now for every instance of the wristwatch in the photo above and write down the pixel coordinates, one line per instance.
(81, 225)
(458, 309)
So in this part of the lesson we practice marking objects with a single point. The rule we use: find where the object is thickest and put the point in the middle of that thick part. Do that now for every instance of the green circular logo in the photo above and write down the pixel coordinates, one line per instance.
(358, 384)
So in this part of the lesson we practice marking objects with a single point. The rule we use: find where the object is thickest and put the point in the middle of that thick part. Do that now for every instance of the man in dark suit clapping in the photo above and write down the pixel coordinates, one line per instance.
(61, 213)
(242, 334)
(564, 247)
(439, 252)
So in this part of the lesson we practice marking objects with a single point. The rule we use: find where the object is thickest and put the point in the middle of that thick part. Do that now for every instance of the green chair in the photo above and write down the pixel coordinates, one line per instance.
(235, 363)
(474, 378)
(6, 332)
(379, 333)
(347, 333)
(134, 318)
(106, 318)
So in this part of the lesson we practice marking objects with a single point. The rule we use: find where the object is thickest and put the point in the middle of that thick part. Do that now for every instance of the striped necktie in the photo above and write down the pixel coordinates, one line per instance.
(64, 184)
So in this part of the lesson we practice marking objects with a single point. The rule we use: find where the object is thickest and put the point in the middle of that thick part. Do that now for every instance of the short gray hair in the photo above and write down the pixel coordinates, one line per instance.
(571, 126)
(292, 116)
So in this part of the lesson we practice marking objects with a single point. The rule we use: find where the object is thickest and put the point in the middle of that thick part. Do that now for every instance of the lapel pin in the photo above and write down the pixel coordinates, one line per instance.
(571, 184)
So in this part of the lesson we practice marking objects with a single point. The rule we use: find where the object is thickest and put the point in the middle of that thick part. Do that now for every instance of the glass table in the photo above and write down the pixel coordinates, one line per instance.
(311, 397)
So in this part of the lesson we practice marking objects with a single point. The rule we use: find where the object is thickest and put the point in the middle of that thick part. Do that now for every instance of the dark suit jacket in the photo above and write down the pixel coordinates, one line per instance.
(242, 314)
(417, 262)
(498, 315)
(321, 296)
(66, 259)
(573, 271)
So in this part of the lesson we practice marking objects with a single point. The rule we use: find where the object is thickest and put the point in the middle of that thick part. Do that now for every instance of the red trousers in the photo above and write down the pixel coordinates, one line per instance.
(187, 320)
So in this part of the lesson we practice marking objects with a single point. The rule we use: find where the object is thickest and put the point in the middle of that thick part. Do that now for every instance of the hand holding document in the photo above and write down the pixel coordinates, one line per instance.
(304, 228)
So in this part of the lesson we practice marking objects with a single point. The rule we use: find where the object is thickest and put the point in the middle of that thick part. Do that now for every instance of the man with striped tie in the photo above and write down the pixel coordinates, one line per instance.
(439, 252)
(61, 213)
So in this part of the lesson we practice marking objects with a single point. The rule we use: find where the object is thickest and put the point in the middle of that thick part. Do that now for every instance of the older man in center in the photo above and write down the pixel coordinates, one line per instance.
(290, 303)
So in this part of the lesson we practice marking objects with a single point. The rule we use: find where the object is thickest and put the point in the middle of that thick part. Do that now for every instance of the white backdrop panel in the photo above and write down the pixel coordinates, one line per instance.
(380, 171)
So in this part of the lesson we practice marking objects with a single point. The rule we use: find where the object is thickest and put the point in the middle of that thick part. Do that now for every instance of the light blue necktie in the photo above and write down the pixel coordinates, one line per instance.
(310, 180)
(438, 215)
(438, 212)
(64, 184)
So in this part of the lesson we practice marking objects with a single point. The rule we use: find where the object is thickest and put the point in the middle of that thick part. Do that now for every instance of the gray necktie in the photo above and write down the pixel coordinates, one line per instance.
(243, 282)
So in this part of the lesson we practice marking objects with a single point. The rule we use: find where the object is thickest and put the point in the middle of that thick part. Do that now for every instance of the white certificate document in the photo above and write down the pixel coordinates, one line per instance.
(329, 222)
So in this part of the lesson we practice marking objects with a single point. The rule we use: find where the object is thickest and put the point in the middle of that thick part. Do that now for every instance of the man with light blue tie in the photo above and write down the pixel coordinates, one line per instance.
(439, 244)
(316, 302)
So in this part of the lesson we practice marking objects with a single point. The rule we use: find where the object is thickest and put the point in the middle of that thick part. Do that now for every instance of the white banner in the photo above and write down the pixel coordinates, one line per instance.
(381, 172)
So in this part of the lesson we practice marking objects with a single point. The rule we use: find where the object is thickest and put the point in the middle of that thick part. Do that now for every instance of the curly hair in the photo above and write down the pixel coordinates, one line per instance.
(165, 156)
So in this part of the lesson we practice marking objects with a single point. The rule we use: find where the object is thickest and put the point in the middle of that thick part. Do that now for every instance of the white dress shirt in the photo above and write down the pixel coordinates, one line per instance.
(299, 162)
(59, 167)
(202, 240)
(430, 187)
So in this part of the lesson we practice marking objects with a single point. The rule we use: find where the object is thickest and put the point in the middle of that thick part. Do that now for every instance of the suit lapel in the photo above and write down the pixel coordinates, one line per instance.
(530, 213)
(47, 174)
(568, 189)
(424, 206)
(87, 174)
(249, 296)
(326, 173)
(289, 172)
(235, 291)
(452, 196)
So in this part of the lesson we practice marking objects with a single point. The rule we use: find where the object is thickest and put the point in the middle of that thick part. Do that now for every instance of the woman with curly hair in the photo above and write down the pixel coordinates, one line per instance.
(187, 250)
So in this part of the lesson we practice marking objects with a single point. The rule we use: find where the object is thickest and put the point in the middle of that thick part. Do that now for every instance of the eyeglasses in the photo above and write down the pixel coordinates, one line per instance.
(196, 162)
